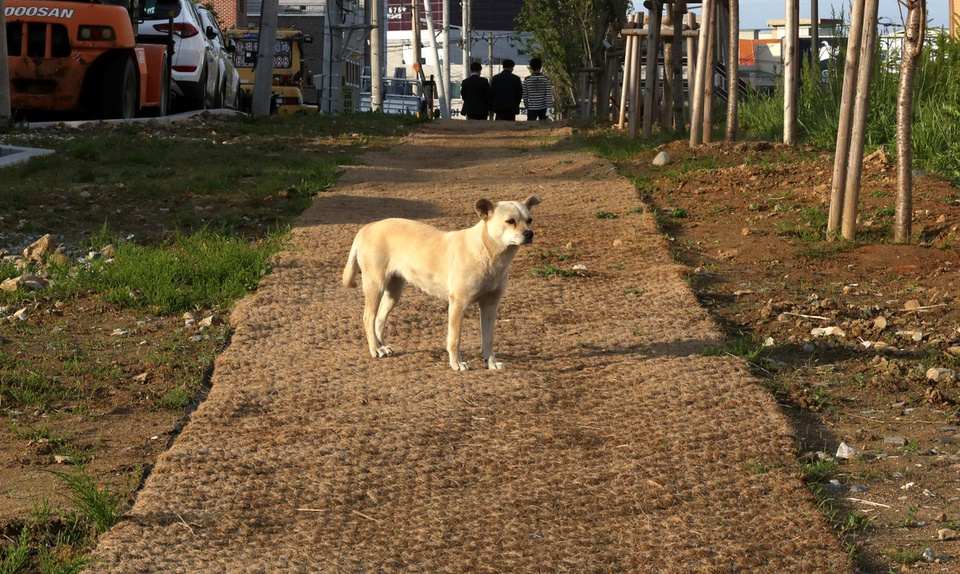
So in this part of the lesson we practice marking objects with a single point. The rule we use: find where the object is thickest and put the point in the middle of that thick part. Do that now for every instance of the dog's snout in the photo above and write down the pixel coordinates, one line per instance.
(528, 236)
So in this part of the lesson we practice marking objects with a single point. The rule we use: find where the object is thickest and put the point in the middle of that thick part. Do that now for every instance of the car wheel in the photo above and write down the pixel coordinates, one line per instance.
(121, 95)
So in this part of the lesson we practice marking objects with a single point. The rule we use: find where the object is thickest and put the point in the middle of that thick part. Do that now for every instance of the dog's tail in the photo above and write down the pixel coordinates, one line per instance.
(350, 271)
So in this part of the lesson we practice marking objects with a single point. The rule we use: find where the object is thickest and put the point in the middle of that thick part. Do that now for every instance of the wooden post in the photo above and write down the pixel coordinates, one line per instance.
(733, 69)
(791, 71)
(634, 118)
(666, 81)
(604, 90)
(850, 70)
(5, 113)
(851, 197)
(690, 22)
(653, 51)
(677, 70)
(815, 35)
(696, 119)
(628, 43)
(912, 46)
(709, 67)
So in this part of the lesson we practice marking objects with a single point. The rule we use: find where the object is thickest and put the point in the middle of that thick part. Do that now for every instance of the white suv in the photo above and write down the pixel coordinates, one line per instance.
(228, 79)
(195, 67)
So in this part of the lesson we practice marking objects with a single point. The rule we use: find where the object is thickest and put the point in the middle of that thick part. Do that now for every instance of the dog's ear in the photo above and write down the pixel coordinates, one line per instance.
(531, 201)
(484, 208)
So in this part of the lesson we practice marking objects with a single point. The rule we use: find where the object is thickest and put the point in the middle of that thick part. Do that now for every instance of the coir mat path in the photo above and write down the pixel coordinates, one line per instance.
(611, 442)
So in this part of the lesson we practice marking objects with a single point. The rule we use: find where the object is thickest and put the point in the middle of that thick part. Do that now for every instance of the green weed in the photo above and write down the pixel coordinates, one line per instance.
(745, 347)
(95, 504)
(551, 270)
(176, 398)
(606, 215)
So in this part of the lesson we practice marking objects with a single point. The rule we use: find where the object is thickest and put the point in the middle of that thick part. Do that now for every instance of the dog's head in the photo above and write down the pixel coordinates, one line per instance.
(509, 222)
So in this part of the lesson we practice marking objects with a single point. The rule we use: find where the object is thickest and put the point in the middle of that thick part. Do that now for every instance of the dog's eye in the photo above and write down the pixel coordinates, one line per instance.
(511, 221)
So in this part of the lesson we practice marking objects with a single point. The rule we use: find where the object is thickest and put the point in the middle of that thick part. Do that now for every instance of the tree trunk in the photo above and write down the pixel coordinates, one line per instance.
(850, 70)
(909, 53)
(634, 119)
(851, 196)
(625, 86)
(653, 50)
(791, 72)
(733, 70)
(689, 22)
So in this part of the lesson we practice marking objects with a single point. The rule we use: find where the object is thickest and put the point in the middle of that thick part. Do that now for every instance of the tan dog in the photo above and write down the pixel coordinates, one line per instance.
(461, 267)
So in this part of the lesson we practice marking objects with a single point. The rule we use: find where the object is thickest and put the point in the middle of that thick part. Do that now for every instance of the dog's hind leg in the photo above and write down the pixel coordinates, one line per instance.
(488, 320)
(454, 324)
(372, 293)
(390, 298)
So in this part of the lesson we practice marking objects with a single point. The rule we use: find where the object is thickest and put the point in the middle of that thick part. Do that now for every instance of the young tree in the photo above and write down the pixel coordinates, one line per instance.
(914, 32)
(733, 68)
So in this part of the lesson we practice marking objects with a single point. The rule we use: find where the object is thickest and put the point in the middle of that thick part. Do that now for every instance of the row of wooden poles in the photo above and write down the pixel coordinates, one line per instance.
(668, 26)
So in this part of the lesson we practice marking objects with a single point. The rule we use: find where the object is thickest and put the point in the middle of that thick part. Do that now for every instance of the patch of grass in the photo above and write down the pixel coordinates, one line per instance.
(202, 270)
(14, 558)
(21, 387)
(614, 146)
(551, 270)
(678, 213)
(912, 447)
(905, 556)
(606, 215)
(818, 471)
(822, 250)
(744, 347)
(177, 398)
(98, 506)
(811, 226)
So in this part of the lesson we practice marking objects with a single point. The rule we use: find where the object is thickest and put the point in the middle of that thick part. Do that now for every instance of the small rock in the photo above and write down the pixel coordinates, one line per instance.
(62, 459)
(745, 231)
(33, 282)
(928, 555)
(895, 440)
(880, 323)
(768, 342)
(58, 259)
(579, 267)
(208, 321)
(828, 332)
(119, 332)
(21, 315)
(947, 534)
(941, 375)
(37, 250)
(662, 159)
(108, 251)
(915, 336)
(618, 242)
(955, 351)
(845, 451)
(911, 305)
(908, 486)
(941, 220)
(141, 378)
(196, 338)
(857, 489)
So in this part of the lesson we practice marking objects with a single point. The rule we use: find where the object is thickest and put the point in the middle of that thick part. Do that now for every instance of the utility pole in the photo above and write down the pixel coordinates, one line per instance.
(376, 78)
(445, 38)
(441, 79)
(465, 37)
(417, 57)
(263, 73)
(5, 113)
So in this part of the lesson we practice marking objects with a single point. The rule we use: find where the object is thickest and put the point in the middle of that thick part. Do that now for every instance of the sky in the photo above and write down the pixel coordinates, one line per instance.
(755, 13)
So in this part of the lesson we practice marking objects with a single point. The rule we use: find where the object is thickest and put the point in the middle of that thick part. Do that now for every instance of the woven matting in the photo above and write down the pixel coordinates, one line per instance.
(610, 443)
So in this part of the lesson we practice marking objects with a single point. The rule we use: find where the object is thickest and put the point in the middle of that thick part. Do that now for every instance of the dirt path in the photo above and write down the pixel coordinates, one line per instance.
(611, 444)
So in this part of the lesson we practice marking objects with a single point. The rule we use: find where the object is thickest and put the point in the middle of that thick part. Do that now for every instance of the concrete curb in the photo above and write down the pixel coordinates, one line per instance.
(11, 155)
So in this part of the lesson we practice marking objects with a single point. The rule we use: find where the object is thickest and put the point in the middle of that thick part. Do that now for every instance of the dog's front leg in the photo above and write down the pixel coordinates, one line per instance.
(455, 321)
(488, 320)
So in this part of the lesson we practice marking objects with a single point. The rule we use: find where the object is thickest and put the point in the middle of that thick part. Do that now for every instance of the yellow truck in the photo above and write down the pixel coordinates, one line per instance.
(288, 67)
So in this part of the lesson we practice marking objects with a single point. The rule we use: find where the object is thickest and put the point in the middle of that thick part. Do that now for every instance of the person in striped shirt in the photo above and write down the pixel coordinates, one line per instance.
(537, 92)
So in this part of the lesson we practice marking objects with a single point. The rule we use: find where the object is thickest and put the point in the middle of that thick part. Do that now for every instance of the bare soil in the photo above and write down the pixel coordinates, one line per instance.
(748, 220)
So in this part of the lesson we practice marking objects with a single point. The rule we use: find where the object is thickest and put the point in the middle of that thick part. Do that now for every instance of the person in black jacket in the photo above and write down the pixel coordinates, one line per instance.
(507, 93)
(475, 93)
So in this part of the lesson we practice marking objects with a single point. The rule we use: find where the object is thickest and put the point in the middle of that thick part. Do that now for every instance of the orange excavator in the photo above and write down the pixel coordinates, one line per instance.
(84, 57)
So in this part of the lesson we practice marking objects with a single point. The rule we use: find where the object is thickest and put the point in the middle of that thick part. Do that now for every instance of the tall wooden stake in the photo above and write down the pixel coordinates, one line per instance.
(910, 53)
(627, 66)
(666, 102)
(696, 119)
(791, 71)
(677, 71)
(690, 22)
(815, 35)
(851, 66)
(733, 69)
(634, 120)
(851, 196)
(653, 51)
(709, 66)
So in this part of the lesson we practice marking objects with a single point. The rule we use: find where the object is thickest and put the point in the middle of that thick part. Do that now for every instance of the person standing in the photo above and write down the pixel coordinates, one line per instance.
(475, 93)
(537, 92)
(507, 93)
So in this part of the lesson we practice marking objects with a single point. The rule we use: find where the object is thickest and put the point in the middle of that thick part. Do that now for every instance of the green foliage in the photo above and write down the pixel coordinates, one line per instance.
(13, 559)
(568, 35)
(551, 270)
(606, 215)
(97, 505)
(936, 128)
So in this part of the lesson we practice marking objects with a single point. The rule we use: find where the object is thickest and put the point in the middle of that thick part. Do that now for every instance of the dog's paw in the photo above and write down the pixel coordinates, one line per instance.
(459, 366)
(493, 364)
(384, 351)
